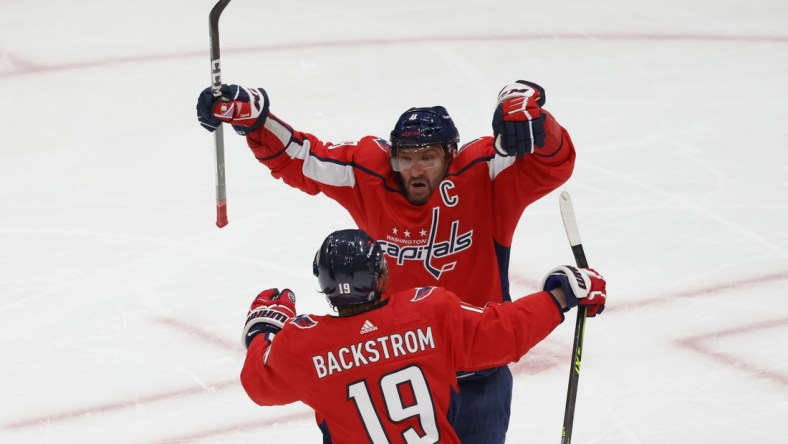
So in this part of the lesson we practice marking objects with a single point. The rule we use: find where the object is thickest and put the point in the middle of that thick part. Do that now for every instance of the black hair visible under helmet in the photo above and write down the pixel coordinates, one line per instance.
(418, 127)
(350, 268)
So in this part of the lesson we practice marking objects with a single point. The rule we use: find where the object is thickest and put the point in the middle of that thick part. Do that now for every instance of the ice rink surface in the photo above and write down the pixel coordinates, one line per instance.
(122, 304)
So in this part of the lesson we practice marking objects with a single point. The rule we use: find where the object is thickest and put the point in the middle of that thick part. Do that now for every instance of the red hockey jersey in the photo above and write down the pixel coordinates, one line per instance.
(460, 238)
(388, 375)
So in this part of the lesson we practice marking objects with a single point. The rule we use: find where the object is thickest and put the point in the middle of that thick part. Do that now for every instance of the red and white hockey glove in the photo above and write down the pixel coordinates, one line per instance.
(268, 313)
(245, 109)
(582, 286)
(518, 122)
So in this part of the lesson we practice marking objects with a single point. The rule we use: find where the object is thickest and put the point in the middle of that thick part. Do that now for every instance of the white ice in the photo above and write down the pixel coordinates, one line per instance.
(121, 303)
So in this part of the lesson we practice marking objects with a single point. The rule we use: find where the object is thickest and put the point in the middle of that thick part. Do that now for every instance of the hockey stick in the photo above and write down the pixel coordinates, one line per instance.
(218, 135)
(572, 233)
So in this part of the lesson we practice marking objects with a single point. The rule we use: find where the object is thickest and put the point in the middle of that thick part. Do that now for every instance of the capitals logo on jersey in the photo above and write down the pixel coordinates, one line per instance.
(421, 293)
(303, 321)
(431, 248)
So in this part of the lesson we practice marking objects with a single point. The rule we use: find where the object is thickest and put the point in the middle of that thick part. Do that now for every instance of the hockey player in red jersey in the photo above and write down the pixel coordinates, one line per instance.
(441, 213)
(384, 370)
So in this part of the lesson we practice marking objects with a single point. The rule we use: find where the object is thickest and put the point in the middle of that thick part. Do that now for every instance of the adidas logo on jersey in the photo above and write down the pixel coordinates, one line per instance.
(368, 327)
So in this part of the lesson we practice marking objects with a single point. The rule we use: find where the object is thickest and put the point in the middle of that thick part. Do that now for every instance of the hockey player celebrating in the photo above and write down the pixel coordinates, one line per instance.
(384, 369)
(440, 212)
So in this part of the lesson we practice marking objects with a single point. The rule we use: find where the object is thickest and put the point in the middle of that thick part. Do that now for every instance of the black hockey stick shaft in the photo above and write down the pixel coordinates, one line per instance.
(218, 135)
(572, 233)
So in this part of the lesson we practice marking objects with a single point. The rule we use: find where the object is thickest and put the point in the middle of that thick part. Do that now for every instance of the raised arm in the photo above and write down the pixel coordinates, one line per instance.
(499, 334)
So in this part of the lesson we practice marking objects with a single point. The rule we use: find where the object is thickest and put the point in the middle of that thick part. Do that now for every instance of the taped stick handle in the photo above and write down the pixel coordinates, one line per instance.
(218, 135)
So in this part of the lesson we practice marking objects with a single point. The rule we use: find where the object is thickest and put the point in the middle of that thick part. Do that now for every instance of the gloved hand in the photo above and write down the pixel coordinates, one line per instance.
(268, 313)
(245, 109)
(583, 286)
(518, 122)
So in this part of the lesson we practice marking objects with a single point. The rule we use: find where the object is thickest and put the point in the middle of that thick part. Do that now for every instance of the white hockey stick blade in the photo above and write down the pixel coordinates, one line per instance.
(568, 216)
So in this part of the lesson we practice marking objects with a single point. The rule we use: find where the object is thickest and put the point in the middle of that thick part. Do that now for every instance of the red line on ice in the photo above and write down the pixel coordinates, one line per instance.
(115, 406)
(25, 67)
(696, 343)
(693, 293)
(201, 333)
